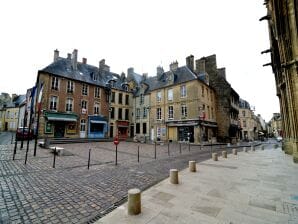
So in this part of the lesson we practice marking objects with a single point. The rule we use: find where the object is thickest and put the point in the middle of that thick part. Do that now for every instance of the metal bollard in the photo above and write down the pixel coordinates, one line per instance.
(116, 156)
(154, 150)
(168, 149)
(138, 153)
(180, 147)
(89, 158)
(54, 161)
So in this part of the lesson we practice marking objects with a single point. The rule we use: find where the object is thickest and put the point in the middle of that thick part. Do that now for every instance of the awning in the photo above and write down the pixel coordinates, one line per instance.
(52, 116)
(122, 126)
(98, 122)
(209, 125)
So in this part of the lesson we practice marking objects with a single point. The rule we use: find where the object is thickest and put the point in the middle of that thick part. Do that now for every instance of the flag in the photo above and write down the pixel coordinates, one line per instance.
(39, 97)
(32, 99)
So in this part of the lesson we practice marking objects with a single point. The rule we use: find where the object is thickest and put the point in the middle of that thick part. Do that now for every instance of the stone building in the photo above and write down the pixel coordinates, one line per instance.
(74, 98)
(282, 19)
(247, 121)
(276, 125)
(182, 105)
(227, 101)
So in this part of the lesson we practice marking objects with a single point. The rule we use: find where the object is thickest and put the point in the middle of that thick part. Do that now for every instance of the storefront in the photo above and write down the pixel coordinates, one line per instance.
(97, 126)
(181, 130)
(60, 125)
(122, 129)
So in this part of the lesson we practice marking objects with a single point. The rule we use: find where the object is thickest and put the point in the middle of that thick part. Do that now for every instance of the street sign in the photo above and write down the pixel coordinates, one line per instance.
(116, 141)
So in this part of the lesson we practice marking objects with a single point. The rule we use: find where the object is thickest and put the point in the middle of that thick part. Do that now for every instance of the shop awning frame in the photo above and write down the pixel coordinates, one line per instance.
(55, 116)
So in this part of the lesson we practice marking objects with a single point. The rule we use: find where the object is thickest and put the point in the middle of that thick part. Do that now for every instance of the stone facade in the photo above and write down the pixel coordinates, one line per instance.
(283, 22)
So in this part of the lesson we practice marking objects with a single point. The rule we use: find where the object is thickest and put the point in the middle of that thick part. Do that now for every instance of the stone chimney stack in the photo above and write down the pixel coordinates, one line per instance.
(174, 66)
(84, 60)
(159, 71)
(69, 56)
(200, 66)
(56, 55)
(74, 59)
(103, 66)
(145, 76)
(190, 62)
(130, 72)
(222, 72)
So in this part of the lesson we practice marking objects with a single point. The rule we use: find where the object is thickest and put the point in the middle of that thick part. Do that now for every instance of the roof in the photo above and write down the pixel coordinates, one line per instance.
(85, 73)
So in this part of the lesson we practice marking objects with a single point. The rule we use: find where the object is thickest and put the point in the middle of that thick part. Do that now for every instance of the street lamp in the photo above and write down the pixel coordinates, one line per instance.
(149, 128)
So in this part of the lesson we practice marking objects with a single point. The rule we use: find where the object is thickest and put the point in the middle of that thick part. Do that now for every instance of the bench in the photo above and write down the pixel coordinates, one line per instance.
(59, 150)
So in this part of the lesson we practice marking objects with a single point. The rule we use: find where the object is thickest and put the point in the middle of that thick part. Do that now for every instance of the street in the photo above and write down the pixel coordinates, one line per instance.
(70, 193)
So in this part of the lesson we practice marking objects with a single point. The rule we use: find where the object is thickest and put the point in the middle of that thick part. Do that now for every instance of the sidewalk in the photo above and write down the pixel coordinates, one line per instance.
(257, 187)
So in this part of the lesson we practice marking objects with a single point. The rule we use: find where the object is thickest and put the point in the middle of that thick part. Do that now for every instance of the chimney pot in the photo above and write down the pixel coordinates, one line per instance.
(84, 60)
(174, 66)
(190, 62)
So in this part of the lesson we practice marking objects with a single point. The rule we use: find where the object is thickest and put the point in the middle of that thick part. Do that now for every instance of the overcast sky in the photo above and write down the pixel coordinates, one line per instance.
(140, 34)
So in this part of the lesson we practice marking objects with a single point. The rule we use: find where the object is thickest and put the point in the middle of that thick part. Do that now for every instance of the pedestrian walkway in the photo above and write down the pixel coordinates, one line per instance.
(257, 187)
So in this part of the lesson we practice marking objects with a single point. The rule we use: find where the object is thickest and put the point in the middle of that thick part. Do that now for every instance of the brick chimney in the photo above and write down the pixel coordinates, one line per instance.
(74, 59)
(84, 60)
(222, 72)
(174, 66)
(56, 55)
(200, 66)
(190, 62)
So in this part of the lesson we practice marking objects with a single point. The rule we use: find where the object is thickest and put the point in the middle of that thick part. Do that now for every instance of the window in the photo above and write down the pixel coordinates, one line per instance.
(158, 113)
(70, 85)
(84, 106)
(184, 111)
(69, 105)
(120, 98)
(144, 128)
(144, 112)
(113, 97)
(183, 91)
(53, 103)
(158, 96)
(97, 92)
(126, 99)
(120, 113)
(94, 77)
(170, 94)
(85, 89)
(244, 123)
(170, 112)
(138, 113)
(137, 128)
(243, 113)
(83, 125)
(96, 108)
(126, 114)
(141, 99)
(112, 112)
(55, 83)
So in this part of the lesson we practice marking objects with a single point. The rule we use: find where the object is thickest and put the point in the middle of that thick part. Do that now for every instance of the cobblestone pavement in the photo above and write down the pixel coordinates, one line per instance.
(70, 193)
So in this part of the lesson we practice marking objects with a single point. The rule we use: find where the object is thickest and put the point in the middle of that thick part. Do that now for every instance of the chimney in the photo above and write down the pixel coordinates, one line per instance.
(145, 76)
(190, 62)
(159, 71)
(74, 59)
(222, 72)
(56, 55)
(211, 66)
(84, 60)
(103, 66)
(130, 72)
(69, 56)
(174, 66)
(200, 66)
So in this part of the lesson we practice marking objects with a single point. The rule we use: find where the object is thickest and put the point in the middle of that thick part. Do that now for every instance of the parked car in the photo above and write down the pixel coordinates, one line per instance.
(23, 133)
(279, 138)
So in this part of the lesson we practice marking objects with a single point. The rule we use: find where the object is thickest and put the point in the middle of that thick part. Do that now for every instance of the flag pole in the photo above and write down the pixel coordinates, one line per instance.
(38, 116)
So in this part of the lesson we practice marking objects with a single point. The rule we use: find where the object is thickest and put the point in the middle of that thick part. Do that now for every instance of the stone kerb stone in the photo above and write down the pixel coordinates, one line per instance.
(224, 154)
(134, 202)
(174, 176)
(192, 166)
(234, 151)
(215, 156)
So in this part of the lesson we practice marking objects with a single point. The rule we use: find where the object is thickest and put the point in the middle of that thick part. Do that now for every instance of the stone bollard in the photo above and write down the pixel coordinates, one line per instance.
(234, 151)
(252, 148)
(224, 154)
(245, 149)
(214, 156)
(229, 144)
(174, 176)
(263, 147)
(134, 201)
(276, 146)
(192, 166)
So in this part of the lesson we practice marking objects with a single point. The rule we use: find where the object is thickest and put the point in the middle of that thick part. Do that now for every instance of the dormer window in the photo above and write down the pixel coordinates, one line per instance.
(94, 76)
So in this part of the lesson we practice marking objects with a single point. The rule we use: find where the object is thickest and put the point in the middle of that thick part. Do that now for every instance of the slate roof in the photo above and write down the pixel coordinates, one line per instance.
(62, 67)
(181, 75)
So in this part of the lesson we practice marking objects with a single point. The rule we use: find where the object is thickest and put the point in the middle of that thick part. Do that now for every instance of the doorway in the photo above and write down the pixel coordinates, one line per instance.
(59, 130)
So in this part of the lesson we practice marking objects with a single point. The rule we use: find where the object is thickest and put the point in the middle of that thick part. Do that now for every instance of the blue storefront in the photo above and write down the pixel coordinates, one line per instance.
(97, 126)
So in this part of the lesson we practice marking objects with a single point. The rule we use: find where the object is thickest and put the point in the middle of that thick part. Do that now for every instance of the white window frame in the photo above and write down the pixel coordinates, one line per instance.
(138, 112)
(158, 113)
(97, 92)
(84, 89)
(84, 104)
(183, 111)
(145, 112)
(69, 105)
(141, 99)
(55, 83)
(53, 103)
(83, 125)
(96, 108)
(170, 94)
(70, 86)
(171, 112)
(158, 96)
(183, 92)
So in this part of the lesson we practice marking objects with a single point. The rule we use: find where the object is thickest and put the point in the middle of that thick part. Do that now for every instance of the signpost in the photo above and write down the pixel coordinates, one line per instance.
(116, 142)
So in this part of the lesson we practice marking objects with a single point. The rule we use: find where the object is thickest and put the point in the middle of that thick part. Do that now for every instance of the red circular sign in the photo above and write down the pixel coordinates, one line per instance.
(116, 142)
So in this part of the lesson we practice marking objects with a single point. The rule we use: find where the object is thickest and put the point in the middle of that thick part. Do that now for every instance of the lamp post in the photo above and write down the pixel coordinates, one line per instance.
(149, 127)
